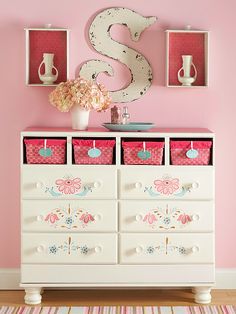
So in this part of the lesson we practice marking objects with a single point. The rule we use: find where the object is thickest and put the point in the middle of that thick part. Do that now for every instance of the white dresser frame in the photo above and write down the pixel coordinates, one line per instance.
(199, 277)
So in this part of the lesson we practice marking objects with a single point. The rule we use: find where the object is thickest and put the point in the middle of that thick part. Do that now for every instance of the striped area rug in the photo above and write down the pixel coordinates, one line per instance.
(213, 309)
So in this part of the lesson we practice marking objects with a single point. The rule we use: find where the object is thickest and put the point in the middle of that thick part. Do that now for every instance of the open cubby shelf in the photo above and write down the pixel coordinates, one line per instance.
(116, 151)
(46, 40)
(187, 42)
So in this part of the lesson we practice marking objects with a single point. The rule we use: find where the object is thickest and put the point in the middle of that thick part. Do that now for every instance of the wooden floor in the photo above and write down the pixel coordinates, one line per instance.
(117, 297)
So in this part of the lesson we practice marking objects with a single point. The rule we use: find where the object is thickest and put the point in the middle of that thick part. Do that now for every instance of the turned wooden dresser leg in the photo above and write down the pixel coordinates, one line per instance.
(202, 295)
(33, 296)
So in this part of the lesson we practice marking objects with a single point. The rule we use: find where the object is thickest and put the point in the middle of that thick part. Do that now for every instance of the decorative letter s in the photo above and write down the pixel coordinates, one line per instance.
(140, 69)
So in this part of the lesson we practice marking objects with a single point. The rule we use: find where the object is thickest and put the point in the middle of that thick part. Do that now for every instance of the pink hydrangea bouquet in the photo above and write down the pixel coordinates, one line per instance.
(89, 95)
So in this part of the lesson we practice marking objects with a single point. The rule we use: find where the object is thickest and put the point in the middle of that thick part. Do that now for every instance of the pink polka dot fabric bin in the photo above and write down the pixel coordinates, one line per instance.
(45, 151)
(93, 152)
(179, 151)
(143, 153)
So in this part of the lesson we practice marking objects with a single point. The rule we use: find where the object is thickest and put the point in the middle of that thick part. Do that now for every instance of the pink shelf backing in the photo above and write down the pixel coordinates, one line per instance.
(187, 44)
(41, 42)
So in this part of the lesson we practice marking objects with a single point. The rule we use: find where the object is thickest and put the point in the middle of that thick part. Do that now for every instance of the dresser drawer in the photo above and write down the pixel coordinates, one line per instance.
(69, 248)
(141, 248)
(50, 182)
(69, 216)
(162, 216)
(169, 183)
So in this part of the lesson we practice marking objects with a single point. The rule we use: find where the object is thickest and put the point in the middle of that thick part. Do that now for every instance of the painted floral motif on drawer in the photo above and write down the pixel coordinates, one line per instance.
(168, 248)
(168, 186)
(69, 219)
(69, 247)
(68, 186)
(166, 219)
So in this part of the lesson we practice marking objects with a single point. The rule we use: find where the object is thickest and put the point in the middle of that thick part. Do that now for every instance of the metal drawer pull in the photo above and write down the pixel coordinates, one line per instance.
(40, 248)
(138, 185)
(139, 217)
(39, 218)
(195, 249)
(97, 217)
(98, 249)
(195, 217)
(139, 249)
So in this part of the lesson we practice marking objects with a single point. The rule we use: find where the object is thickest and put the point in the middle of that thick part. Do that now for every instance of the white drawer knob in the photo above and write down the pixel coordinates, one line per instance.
(39, 185)
(97, 217)
(195, 249)
(138, 185)
(139, 249)
(98, 249)
(39, 218)
(195, 217)
(139, 217)
(97, 184)
(195, 185)
(40, 248)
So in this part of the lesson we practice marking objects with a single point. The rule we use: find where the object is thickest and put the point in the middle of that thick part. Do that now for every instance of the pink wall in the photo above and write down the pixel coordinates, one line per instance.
(212, 107)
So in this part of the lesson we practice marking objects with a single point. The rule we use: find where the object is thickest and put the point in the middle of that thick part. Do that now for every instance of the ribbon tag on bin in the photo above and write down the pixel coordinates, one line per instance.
(45, 151)
(192, 153)
(144, 154)
(94, 152)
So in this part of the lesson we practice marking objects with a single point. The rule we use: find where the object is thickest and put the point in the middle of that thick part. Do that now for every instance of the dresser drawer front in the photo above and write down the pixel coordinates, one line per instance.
(166, 216)
(120, 276)
(166, 248)
(77, 182)
(69, 248)
(69, 216)
(170, 183)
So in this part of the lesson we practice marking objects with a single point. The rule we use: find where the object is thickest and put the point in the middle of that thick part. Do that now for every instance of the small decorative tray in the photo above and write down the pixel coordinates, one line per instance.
(133, 126)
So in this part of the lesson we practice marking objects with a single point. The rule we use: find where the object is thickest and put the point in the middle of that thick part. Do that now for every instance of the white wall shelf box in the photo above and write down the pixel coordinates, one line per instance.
(111, 225)
(46, 40)
(187, 42)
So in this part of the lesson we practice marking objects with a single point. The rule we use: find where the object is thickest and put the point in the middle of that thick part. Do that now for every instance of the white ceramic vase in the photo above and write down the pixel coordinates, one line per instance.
(79, 118)
(48, 77)
(187, 79)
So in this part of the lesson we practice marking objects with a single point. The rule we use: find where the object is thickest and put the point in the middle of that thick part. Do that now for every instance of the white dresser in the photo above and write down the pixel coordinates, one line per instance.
(117, 230)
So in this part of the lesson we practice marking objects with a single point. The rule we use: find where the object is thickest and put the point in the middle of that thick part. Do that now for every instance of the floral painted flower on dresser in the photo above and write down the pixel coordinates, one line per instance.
(65, 218)
(86, 218)
(168, 218)
(69, 221)
(53, 249)
(184, 219)
(167, 186)
(68, 186)
(51, 217)
(150, 218)
(84, 249)
(69, 247)
(166, 247)
(150, 249)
